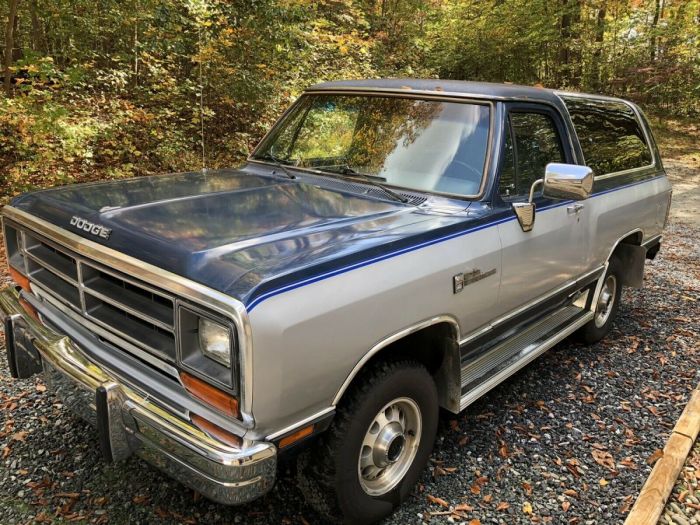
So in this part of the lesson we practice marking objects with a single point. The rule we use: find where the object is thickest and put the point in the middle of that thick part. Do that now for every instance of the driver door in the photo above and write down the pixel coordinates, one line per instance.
(537, 263)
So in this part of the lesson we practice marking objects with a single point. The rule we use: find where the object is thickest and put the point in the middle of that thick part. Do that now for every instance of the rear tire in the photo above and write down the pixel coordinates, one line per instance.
(369, 460)
(608, 303)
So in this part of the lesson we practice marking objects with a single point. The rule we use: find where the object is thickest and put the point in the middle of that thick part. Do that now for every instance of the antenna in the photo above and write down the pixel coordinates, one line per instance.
(201, 101)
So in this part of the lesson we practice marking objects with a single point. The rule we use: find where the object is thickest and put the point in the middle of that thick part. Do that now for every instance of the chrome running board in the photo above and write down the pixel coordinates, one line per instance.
(484, 372)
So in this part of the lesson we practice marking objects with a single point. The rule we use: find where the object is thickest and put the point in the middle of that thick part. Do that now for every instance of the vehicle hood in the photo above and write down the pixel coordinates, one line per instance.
(237, 231)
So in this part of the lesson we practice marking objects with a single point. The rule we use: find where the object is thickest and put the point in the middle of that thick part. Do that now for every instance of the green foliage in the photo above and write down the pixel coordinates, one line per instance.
(113, 88)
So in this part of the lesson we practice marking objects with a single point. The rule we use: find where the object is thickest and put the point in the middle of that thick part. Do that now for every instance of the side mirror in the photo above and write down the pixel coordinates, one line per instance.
(567, 181)
(561, 181)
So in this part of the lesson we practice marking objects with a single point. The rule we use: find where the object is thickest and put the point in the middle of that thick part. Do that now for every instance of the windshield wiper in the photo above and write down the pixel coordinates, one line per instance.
(278, 164)
(364, 177)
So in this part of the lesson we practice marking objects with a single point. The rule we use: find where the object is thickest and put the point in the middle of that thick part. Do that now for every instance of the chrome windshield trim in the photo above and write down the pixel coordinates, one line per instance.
(423, 95)
(173, 283)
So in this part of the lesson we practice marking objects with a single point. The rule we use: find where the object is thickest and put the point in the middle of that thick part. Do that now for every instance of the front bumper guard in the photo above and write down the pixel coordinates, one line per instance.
(126, 419)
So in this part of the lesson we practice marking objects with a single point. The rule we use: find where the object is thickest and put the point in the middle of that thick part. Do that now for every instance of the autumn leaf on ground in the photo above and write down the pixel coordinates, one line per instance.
(40, 388)
(565, 505)
(655, 456)
(19, 436)
(463, 507)
(437, 501)
(604, 459)
(629, 463)
(527, 507)
(503, 505)
(475, 521)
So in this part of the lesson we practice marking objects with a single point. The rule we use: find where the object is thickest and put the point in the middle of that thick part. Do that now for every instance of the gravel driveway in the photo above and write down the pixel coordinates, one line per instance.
(567, 440)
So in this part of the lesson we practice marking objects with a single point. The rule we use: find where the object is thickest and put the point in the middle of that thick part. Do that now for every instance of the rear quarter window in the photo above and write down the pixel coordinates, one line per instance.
(611, 137)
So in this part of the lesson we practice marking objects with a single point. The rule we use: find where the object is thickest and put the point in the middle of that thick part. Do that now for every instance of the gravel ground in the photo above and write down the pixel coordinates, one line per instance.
(570, 439)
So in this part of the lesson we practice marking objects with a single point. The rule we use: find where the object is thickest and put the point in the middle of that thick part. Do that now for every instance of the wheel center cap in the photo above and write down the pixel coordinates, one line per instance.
(389, 445)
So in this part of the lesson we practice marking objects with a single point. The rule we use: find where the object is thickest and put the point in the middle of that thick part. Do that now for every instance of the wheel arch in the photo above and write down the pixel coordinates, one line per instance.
(434, 343)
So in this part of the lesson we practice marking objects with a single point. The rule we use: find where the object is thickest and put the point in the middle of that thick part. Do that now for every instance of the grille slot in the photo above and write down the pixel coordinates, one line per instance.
(131, 327)
(141, 302)
(133, 311)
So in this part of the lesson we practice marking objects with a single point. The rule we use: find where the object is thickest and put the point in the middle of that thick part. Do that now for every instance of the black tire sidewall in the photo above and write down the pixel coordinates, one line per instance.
(592, 333)
(356, 505)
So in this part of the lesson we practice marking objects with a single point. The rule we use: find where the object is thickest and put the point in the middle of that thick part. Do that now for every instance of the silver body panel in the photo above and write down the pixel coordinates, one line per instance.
(308, 341)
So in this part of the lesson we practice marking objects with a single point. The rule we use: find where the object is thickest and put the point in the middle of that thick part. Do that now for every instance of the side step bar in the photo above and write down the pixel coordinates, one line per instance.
(485, 372)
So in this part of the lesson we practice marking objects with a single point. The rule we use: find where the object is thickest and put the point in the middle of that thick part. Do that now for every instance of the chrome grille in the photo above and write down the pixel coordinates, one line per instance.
(128, 308)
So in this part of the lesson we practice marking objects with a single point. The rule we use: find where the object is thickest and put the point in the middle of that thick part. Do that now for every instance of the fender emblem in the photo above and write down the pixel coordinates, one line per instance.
(461, 280)
(90, 227)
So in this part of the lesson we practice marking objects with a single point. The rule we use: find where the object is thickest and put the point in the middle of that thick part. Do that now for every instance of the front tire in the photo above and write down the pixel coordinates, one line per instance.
(368, 461)
(607, 305)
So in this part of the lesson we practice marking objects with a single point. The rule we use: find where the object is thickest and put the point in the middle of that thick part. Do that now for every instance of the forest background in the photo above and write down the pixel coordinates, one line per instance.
(97, 89)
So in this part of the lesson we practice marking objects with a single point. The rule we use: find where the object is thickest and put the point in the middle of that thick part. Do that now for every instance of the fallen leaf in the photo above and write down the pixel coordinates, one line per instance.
(475, 521)
(603, 482)
(488, 498)
(565, 505)
(438, 501)
(19, 436)
(629, 463)
(69, 495)
(463, 507)
(503, 505)
(527, 507)
(527, 488)
(41, 388)
(655, 456)
(603, 458)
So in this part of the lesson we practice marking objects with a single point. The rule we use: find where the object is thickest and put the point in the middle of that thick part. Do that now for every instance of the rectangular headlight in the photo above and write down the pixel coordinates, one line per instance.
(207, 345)
(215, 341)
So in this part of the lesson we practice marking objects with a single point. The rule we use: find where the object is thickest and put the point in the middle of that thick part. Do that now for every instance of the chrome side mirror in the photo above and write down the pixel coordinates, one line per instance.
(561, 181)
(567, 181)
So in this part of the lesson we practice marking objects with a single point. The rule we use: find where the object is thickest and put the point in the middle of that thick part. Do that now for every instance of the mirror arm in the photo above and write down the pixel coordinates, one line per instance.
(534, 186)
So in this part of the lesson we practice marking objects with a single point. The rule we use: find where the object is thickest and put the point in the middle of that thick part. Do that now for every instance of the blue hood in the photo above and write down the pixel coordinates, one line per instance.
(241, 232)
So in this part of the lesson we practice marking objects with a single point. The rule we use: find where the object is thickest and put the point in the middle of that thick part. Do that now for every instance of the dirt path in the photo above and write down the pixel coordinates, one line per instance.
(679, 143)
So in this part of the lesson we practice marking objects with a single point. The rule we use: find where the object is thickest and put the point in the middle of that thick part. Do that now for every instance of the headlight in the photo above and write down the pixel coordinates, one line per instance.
(207, 346)
(215, 341)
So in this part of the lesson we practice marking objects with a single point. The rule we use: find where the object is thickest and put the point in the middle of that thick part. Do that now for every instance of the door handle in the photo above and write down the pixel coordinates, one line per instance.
(576, 208)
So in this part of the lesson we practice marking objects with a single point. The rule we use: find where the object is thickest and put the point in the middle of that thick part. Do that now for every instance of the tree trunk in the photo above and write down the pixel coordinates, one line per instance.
(659, 6)
(37, 39)
(599, 35)
(9, 43)
(569, 53)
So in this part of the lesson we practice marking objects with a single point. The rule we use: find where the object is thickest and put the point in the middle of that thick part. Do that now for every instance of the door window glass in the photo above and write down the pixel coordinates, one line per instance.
(533, 142)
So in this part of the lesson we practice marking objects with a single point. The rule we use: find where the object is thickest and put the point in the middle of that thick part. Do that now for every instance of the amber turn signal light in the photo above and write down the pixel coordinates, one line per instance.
(20, 279)
(216, 431)
(296, 436)
(210, 395)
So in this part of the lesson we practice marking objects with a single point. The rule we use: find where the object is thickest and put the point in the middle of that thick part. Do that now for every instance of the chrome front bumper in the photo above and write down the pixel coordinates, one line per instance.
(126, 418)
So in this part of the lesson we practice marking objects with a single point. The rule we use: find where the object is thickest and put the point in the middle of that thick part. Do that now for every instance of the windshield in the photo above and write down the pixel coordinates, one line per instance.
(425, 145)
